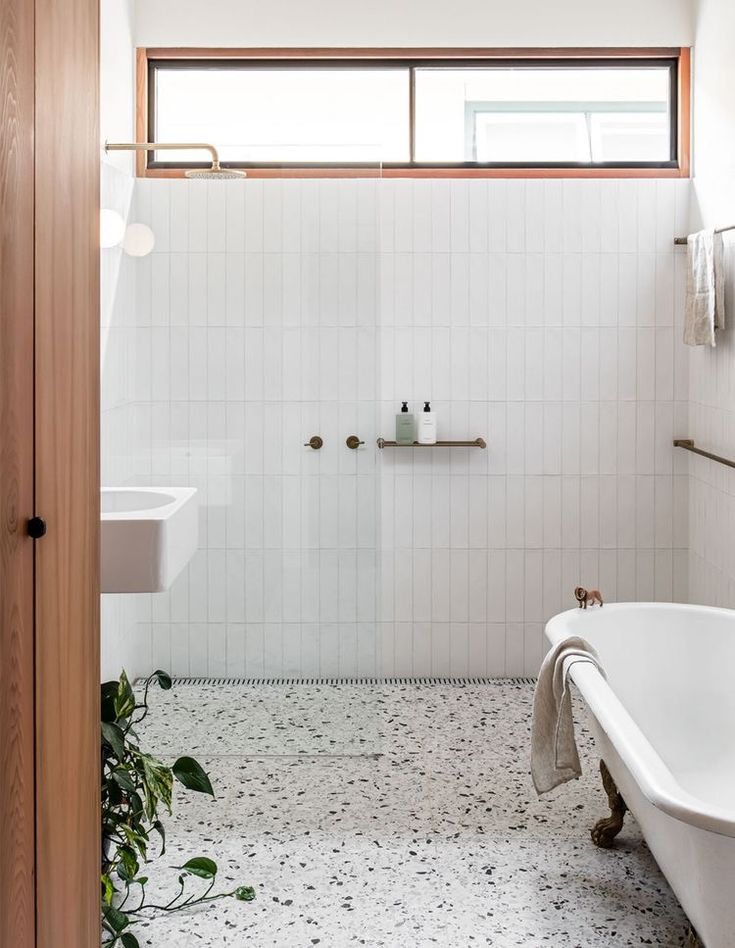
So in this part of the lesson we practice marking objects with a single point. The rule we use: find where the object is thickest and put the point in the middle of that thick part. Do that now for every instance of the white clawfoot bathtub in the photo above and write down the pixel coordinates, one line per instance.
(664, 722)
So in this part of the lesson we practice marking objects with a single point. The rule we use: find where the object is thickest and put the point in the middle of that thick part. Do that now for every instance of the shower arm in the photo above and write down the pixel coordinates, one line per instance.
(170, 146)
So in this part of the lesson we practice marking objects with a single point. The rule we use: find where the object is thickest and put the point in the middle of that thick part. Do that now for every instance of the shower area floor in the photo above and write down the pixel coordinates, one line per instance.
(397, 814)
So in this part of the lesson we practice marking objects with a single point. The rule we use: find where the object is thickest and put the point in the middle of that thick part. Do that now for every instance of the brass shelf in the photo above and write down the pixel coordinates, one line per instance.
(477, 443)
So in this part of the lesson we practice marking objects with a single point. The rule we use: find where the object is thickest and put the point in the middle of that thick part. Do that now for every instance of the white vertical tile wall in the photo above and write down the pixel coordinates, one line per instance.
(711, 485)
(540, 315)
(257, 320)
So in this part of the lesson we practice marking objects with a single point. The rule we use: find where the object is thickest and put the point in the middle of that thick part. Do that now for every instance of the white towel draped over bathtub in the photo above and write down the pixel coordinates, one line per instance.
(704, 309)
(554, 756)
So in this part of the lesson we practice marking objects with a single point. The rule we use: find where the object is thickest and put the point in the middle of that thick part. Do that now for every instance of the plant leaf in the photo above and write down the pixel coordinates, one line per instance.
(245, 893)
(129, 867)
(129, 940)
(114, 794)
(115, 918)
(108, 693)
(133, 834)
(124, 699)
(108, 889)
(158, 784)
(136, 836)
(200, 866)
(189, 772)
(164, 679)
(114, 736)
(159, 828)
(122, 779)
(136, 806)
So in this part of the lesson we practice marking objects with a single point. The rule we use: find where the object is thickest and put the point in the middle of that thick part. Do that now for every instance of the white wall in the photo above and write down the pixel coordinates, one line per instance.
(714, 111)
(550, 331)
(712, 372)
(538, 314)
(414, 23)
(118, 430)
(117, 77)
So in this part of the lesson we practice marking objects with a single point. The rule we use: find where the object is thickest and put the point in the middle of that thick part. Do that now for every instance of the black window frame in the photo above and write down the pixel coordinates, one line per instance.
(672, 62)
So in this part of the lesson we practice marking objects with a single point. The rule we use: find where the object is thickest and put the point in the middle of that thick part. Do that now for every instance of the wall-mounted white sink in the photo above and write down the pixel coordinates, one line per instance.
(149, 534)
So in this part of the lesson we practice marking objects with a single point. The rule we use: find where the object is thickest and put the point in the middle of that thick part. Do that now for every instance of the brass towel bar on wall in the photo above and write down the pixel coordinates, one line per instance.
(682, 241)
(689, 445)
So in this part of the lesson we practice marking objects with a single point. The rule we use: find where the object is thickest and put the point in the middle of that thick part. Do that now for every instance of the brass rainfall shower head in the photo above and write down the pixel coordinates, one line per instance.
(214, 171)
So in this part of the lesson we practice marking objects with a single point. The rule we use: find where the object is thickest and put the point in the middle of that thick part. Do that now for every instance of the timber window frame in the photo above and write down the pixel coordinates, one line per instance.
(678, 61)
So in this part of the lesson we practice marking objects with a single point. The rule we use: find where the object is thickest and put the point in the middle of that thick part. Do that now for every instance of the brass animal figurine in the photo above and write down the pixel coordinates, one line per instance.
(585, 598)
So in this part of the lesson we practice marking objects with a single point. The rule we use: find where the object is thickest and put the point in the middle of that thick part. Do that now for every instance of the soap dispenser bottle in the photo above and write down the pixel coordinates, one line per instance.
(427, 425)
(405, 426)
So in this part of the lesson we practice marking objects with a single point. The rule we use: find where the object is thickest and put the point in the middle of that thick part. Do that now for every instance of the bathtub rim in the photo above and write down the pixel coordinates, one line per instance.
(657, 783)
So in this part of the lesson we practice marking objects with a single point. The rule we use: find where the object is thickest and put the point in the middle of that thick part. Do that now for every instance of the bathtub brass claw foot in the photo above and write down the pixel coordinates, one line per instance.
(604, 831)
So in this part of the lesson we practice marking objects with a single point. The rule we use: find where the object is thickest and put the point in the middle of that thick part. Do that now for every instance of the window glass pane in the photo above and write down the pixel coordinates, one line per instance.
(513, 136)
(537, 114)
(629, 136)
(285, 115)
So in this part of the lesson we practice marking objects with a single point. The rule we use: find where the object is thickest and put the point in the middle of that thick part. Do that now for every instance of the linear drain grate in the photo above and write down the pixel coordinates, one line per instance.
(296, 682)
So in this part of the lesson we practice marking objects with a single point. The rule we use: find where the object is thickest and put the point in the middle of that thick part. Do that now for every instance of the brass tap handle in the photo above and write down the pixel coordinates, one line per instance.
(314, 442)
(353, 442)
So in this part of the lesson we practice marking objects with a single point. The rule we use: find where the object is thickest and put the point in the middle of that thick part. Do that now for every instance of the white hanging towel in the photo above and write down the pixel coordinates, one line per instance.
(554, 757)
(705, 299)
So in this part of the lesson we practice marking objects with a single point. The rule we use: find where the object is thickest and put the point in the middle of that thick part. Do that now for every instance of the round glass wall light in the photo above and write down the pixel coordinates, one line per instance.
(112, 228)
(139, 240)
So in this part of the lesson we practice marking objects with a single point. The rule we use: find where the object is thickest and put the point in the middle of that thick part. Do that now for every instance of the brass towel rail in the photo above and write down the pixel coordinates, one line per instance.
(682, 241)
(689, 445)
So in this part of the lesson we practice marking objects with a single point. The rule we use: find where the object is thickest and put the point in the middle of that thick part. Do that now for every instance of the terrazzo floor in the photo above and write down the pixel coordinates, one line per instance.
(400, 815)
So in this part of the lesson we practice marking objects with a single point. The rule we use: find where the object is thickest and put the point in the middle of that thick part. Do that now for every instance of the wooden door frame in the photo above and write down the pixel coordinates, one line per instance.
(67, 368)
(17, 830)
(49, 468)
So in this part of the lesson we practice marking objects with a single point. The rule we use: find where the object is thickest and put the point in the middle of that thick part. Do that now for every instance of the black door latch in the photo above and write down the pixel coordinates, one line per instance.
(36, 528)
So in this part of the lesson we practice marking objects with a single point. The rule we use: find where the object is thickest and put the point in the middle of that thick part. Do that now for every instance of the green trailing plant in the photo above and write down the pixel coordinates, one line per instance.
(136, 787)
